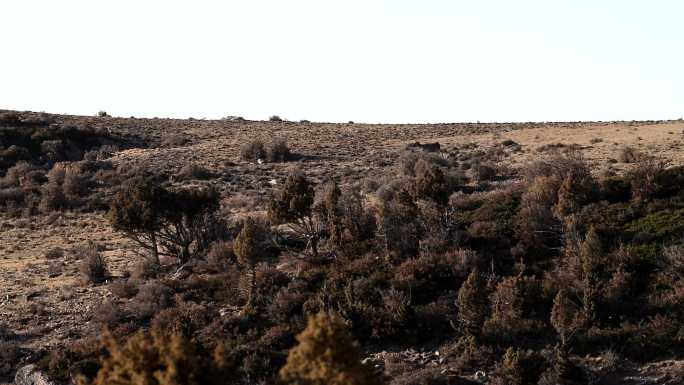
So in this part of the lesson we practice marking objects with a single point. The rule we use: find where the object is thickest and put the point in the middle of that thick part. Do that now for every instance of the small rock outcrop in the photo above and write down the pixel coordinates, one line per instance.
(31, 375)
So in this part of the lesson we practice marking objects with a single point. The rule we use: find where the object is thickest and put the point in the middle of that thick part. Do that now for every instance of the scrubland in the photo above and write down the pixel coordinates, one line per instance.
(161, 251)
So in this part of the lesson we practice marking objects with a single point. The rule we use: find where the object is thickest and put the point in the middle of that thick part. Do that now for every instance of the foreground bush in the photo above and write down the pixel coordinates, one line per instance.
(326, 355)
(145, 359)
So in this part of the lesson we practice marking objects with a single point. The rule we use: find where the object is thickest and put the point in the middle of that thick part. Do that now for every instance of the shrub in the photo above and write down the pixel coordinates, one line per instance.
(174, 140)
(123, 288)
(75, 184)
(536, 225)
(155, 360)
(430, 183)
(326, 355)
(247, 249)
(576, 190)
(137, 212)
(616, 189)
(181, 223)
(275, 118)
(286, 304)
(150, 300)
(293, 205)
(9, 356)
(509, 317)
(146, 269)
(269, 280)
(400, 226)
(278, 151)
(184, 320)
(253, 151)
(645, 179)
(358, 223)
(472, 304)
(194, 171)
(220, 255)
(483, 172)
(629, 155)
(563, 316)
(107, 315)
(53, 197)
(93, 267)
(591, 254)
(12, 197)
(429, 275)
(54, 253)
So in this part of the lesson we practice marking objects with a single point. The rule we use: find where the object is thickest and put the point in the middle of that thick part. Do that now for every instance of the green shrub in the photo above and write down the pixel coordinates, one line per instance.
(616, 189)
(661, 225)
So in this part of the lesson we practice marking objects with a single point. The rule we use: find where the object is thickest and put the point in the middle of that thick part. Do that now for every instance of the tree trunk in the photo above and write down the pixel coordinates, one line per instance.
(155, 248)
(185, 254)
(314, 245)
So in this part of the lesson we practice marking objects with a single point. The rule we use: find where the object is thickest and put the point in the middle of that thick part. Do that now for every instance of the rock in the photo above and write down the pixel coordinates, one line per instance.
(30, 375)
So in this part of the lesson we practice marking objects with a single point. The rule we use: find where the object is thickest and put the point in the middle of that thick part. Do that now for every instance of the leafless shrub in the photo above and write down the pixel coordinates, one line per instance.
(278, 151)
(54, 269)
(174, 140)
(194, 171)
(53, 197)
(253, 150)
(610, 360)
(482, 172)
(54, 253)
(152, 298)
(12, 197)
(145, 269)
(123, 288)
(9, 356)
(107, 315)
(75, 184)
(629, 155)
(220, 255)
(93, 267)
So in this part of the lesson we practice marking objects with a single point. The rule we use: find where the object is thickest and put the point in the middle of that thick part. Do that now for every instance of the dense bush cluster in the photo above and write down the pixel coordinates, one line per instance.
(46, 166)
(517, 279)
(276, 150)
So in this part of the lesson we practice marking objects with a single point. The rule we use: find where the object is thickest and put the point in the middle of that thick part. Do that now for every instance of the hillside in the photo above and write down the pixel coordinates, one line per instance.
(445, 262)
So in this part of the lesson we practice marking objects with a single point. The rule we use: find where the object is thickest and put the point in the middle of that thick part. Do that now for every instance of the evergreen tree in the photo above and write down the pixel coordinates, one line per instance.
(292, 205)
(137, 211)
(430, 183)
(591, 256)
(331, 210)
(472, 304)
(400, 226)
(563, 316)
(511, 370)
(247, 248)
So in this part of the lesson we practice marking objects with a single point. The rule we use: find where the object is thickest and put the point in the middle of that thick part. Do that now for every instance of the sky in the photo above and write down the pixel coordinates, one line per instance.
(363, 60)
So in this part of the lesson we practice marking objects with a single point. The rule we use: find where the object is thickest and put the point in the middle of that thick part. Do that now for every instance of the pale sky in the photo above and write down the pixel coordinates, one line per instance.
(367, 61)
